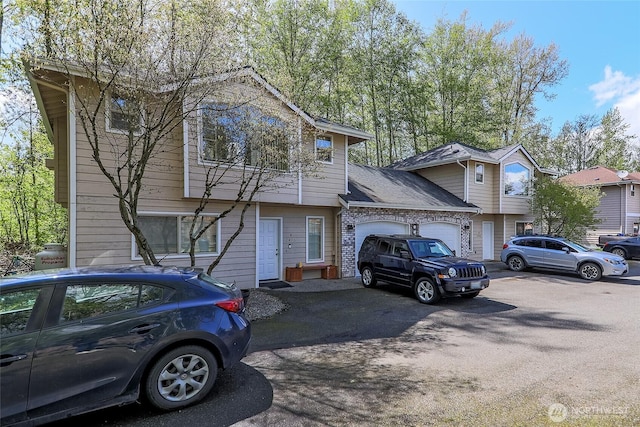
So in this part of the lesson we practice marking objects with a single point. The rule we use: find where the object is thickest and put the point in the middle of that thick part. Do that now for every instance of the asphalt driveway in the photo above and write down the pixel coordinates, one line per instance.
(532, 349)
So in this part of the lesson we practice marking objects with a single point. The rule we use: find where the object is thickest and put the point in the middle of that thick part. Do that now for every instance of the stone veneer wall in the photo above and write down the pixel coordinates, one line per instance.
(352, 217)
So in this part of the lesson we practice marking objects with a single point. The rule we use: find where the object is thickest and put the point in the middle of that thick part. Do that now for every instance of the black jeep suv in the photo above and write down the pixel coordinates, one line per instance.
(426, 265)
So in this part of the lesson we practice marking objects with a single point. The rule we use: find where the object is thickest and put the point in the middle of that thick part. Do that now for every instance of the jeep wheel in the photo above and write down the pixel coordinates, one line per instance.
(426, 291)
(590, 271)
(516, 263)
(368, 278)
(620, 252)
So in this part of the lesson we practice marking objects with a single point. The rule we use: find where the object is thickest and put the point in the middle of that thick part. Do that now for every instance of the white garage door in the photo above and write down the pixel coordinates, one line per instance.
(376, 227)
(448, 233)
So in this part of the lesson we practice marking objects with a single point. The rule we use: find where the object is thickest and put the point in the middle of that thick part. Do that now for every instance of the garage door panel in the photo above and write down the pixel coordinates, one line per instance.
(377, 227)
(448, 233)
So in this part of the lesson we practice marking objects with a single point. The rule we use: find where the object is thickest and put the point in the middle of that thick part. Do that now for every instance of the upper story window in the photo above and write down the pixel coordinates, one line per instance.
(479, 173)
(123, 115)
(324, 148)
(517, 180)
(243, 135)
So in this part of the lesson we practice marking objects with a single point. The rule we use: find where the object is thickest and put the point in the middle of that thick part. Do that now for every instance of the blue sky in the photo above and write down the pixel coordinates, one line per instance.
(599, 39)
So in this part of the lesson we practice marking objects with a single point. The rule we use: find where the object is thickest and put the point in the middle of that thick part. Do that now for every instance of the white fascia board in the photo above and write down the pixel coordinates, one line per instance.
(409, 207)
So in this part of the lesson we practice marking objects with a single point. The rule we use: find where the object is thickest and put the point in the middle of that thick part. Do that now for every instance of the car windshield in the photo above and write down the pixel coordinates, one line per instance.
(429, 248)
(577, 246)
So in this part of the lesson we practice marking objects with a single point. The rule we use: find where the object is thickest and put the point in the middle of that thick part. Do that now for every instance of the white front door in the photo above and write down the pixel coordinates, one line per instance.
(269, 249)
(487, 240)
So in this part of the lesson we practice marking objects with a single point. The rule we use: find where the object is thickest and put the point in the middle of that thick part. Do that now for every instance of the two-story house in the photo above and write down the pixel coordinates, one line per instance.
(294, 221)
(498, 182)
(619, 209)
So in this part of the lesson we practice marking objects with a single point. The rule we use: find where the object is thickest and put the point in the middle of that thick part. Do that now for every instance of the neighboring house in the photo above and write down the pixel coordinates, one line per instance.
(392, 201)
(498, 182)
(298, 222)
(619, 208)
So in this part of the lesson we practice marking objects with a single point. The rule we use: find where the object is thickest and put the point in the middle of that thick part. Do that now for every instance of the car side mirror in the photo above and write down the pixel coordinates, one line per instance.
(454, 252)
(566, 249)
(405, 254)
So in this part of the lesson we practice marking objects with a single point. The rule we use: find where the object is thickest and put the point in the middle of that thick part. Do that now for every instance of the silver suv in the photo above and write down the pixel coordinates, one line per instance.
(558, 253)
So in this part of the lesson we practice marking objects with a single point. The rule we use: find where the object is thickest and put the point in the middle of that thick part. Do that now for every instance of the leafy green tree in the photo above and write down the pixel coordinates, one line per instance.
(562, 209)
(615, 144)
(29, 215)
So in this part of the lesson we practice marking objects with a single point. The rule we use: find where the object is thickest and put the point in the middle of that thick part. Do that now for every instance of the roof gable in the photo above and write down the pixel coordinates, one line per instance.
(457, 152)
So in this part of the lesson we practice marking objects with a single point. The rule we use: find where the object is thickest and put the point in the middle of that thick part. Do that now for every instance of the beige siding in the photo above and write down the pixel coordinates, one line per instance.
(323, 187)
(294, 233)
(449, 177)
(515, 204)
(60, 161)
(483, 194)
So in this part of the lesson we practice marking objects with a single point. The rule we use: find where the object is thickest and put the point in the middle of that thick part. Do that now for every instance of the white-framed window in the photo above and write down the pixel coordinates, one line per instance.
(517, 180)
(324, 148)
(524, 228)
(479, 173)
(242, 135)
(123, 115)
(168, 234)
(315, 239)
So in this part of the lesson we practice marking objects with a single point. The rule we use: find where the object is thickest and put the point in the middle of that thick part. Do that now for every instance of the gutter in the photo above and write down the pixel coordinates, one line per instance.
(376, 205)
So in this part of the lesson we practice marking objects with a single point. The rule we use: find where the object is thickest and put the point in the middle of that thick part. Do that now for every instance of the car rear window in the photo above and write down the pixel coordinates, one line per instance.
(217, 283)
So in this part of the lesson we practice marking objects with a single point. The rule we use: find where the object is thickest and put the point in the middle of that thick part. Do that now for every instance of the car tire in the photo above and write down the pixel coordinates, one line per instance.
(620, 252)
(426, 291)
(368, 278)
(516, 263)
(181, 377)
(470, 295)
(590, 271)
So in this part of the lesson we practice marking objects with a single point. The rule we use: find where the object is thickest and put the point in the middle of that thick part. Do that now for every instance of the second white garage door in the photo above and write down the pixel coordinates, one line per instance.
(377, 227)
(448, 233)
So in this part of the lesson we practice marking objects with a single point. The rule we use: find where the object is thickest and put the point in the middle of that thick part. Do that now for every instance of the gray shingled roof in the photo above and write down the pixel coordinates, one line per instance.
(392, 188)
(452, 153)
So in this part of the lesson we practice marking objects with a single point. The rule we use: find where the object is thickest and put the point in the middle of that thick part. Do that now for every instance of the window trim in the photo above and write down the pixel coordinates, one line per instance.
(201, 141)
(178, 215)
(504, 186)
(322, 234)
(108, 126)
(524, 227)
(331, 149)
(475, 173)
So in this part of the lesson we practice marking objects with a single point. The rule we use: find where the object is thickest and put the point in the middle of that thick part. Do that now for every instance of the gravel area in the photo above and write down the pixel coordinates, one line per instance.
(262, 305)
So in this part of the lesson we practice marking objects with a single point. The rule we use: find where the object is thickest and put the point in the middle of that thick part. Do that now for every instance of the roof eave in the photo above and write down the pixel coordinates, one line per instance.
(376, 205)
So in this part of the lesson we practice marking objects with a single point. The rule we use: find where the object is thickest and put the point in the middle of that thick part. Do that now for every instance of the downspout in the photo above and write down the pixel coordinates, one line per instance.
(256, 283)
(299, 157)
(71, 153)
(346, 164)
(185, 152)
(466, 181)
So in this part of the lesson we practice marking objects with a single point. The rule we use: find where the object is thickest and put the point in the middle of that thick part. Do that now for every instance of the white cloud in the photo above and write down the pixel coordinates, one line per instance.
(623, 92)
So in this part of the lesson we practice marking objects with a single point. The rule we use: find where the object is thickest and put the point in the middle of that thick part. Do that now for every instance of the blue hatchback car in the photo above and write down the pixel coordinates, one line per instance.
(77, 340)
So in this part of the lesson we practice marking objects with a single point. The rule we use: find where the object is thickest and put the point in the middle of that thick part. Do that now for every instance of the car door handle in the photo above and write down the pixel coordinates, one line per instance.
(6, 359)
(143, 329)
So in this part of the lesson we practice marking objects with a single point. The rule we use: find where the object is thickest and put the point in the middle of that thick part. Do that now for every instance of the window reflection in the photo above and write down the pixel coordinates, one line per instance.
(517, 180)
